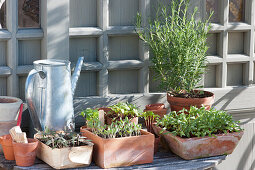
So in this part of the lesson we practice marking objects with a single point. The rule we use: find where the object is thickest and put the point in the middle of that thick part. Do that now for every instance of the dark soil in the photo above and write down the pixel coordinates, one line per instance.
(194, 94)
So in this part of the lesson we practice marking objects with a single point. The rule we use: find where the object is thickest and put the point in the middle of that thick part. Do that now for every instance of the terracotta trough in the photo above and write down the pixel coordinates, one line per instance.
(200, 147)
(118, 152)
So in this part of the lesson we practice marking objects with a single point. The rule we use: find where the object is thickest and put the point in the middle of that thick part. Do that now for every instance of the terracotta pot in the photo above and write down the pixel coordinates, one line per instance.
(157, 108)
(5, 127)
(124, 151)
(6, 142)
(200, 147)
(69, 157)
(133, 120)
(178, 103)
(25, 153)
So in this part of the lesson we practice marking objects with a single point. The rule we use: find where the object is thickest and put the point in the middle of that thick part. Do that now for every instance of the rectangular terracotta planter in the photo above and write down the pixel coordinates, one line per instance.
(200, 147)
(70, 157)
(118, 152)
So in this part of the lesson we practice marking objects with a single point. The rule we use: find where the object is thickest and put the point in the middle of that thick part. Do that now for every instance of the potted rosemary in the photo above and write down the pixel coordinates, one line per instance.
(178, 43)
(121, 136)
(64, 149)
(200, 133)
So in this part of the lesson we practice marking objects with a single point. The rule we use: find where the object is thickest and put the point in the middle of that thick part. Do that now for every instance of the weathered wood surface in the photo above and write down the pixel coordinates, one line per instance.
(162, 160)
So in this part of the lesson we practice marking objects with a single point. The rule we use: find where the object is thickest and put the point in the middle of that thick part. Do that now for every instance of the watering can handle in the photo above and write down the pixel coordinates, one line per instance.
(29, 87)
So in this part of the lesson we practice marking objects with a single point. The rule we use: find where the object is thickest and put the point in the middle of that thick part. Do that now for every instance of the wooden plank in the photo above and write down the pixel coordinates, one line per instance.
(89, 66)
(125, 64)
(21, 70)
(162, 160)
(5, 71)
(3, 86)
(24, 34)
(121, 30)
(5, 34)
(89, 31)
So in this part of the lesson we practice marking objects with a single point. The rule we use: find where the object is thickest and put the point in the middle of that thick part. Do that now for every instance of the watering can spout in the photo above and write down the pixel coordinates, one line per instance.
(76, 74)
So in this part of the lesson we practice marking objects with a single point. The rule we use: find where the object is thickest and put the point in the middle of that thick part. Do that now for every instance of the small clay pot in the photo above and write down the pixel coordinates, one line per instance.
(25, 153)
(157, 108)
(6, 142)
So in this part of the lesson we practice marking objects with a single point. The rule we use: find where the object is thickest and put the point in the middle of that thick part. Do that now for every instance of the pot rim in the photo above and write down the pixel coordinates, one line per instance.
(143, 133)
(30, 143)
(198, 138)
(195, 98)
(17, 100)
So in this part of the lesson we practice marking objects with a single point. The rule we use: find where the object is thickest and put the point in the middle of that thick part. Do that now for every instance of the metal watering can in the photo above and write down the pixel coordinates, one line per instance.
(49, 93)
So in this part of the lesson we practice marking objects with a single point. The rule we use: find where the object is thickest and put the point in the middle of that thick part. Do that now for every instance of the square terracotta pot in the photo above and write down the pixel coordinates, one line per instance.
(118, 152)
(70, 157)
(200, 147)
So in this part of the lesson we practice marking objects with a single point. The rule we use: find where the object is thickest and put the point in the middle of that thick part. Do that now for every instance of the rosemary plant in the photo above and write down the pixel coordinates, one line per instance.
(178, 43)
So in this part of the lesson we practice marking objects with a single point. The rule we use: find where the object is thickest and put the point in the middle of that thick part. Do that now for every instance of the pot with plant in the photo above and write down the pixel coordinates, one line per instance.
(200, 133)
(121, 111)
(178, 42)
(64, 149)
(121, 143)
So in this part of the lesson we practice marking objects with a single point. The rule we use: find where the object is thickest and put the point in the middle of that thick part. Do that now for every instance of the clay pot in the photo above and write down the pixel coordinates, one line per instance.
(9, 107)
(157, 108)
(118, 152)
(178, 103)
(69, 157)
(200, 147)
(6, 142)
(25, 153)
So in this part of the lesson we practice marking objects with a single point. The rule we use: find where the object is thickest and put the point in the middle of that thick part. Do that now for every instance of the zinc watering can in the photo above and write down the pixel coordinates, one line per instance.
(49, 93)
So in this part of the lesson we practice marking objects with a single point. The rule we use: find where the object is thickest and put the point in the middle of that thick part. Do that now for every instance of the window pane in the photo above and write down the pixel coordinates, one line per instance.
(236, 10)
(29, 13)
(213, 5)
(2, 14)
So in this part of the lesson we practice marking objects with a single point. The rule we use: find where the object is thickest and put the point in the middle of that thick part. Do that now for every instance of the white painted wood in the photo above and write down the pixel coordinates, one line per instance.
(81, 31)
(28, 51)
(24, 34)
(4, 34)
(3, 53)
(25, 69)
(125, 64)
(123, 48)
(12, 57)
(5, 71)
(123, 82)
(235, 75)
(87, 84)
(55, 25)
(83, 13)
(210, 76)
(3, 86)
(86, 47)
(123, 12)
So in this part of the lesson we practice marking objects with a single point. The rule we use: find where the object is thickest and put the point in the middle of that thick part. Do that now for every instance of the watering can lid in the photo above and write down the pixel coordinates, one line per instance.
(52, 62)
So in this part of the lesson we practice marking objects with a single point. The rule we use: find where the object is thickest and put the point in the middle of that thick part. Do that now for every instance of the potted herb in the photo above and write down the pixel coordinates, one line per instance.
(120, 144)
(121, 111)
(178, 42)
(200, 133)
(64, 149)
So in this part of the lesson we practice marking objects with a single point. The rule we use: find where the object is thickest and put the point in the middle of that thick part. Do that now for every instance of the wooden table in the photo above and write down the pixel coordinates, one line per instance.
(162, 160)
